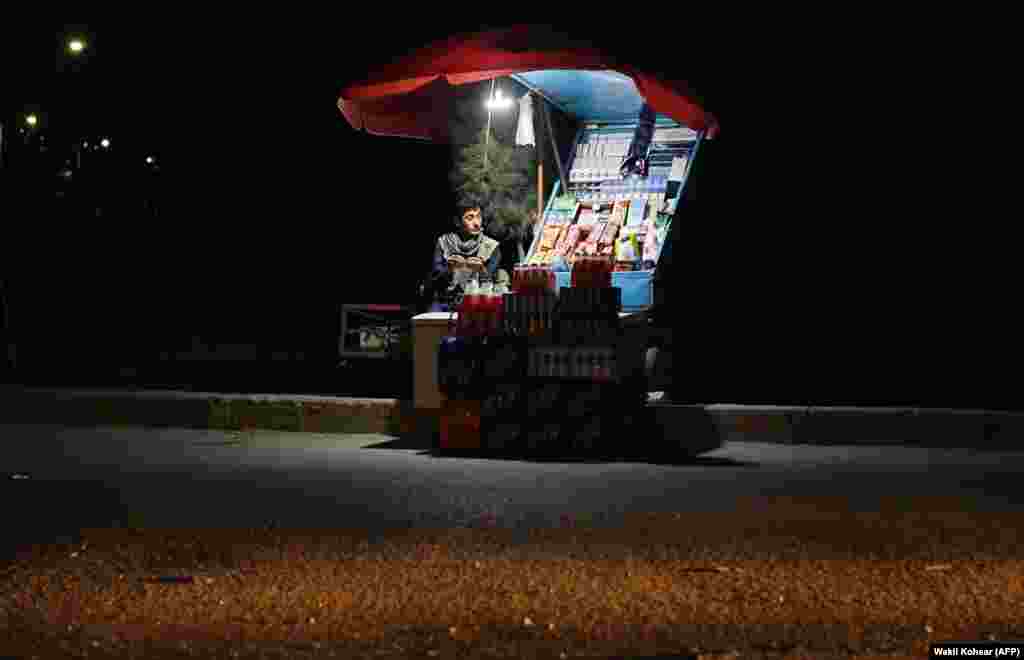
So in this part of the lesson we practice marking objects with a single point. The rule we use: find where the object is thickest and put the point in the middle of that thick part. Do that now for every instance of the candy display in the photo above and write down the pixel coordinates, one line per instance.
(570, 239)
(601, 205)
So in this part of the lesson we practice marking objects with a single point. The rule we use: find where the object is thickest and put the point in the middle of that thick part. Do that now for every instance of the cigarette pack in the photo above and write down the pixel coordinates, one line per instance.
(587, 217)
(620, 211)
(637, 212)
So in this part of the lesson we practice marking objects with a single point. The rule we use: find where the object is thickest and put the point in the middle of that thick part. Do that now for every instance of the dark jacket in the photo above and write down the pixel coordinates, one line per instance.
(442, 295)
(509, 240)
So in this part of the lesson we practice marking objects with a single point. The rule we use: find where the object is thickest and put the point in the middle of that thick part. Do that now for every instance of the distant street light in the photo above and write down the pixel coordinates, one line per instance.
(31, 120)
(149, 160)
(76, 46)
(105, 143)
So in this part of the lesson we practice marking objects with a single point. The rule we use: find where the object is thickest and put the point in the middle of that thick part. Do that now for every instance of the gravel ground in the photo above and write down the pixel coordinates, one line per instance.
(779, 577)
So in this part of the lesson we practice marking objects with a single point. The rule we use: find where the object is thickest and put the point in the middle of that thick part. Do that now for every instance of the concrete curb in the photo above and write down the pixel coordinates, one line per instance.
(871, 426)
(206, 410)
(786, 425)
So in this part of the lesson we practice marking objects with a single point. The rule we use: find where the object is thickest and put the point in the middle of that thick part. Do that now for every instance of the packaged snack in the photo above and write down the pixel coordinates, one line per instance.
(549, 238)
(637, 213)
(587, 217)
(627, 247)
(609, 234)
(589, 246)
(570, 239)
(559, 217)
(585, 249)
(564, 203)
(652, 243)
(619, 212)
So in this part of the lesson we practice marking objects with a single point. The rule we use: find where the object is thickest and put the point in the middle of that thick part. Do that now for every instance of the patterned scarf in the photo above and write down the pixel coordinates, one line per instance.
(474, 246)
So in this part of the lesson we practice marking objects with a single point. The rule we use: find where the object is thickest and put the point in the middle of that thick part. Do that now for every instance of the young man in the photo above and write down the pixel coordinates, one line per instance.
(465, 250)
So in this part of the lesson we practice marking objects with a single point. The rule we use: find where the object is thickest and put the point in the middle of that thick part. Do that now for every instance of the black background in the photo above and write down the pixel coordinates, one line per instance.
(848, 240)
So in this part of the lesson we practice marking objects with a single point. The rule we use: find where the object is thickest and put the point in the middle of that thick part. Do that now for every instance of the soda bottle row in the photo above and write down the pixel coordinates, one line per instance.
(592, 272)
(480, 313)
(588, 314)
(533, 280)
(527, 315)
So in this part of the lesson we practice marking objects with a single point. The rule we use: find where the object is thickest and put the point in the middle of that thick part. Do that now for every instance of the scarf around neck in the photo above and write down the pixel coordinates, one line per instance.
(475, 246)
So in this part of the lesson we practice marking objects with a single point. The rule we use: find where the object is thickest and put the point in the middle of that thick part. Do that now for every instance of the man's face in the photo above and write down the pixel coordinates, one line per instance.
(471, 221)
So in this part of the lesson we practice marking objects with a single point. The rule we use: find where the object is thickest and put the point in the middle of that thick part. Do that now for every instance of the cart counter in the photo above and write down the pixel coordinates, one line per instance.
(430, 328)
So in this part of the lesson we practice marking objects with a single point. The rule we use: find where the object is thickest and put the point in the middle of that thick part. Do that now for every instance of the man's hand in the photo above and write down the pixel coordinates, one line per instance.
(475, 263)
(455, 261)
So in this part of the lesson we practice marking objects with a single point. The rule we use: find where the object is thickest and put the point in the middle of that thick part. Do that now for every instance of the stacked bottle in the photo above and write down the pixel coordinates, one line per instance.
(533, 280)
(480, 313)
(598, 363)
(592, 272)
(496, 309)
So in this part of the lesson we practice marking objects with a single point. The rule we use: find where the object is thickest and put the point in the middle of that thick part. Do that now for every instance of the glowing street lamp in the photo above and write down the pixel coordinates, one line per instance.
(31, 120)
(76, 46)
(149, 160)
(105, 143)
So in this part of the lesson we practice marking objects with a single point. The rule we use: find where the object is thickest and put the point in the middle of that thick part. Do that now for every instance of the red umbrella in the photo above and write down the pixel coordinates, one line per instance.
(412, 96)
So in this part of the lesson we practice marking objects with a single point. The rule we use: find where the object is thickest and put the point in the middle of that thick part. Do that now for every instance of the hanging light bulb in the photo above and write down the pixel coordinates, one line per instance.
(498, 101)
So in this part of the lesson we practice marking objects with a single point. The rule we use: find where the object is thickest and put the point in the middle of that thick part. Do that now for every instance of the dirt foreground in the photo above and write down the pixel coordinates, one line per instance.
(799, 578)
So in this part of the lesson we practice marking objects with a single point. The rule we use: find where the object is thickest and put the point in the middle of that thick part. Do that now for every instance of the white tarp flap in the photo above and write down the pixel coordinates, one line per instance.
(524, 132)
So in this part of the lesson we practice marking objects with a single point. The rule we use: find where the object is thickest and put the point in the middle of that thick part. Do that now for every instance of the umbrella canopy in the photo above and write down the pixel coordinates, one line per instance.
(412, 96)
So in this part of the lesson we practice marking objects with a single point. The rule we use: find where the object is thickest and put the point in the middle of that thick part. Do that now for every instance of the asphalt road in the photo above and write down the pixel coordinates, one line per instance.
(830, 551)
(204, 478)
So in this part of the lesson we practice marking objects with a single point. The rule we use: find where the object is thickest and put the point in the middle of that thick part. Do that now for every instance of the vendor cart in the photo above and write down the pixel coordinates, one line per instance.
(486, 391)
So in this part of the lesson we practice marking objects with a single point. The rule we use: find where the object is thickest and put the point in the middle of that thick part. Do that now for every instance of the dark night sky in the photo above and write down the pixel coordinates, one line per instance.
(842, 202)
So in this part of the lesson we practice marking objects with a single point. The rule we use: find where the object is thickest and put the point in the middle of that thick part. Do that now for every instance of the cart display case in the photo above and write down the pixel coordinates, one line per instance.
(597, 192)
